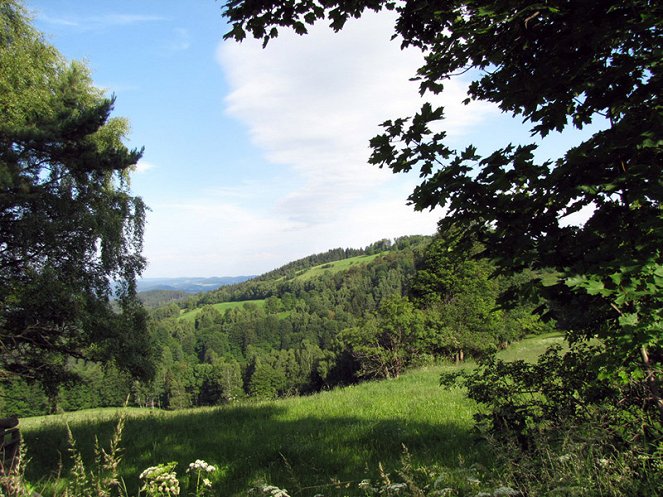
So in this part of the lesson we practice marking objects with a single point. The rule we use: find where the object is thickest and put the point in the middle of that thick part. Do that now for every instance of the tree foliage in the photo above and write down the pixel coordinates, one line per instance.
(557, 64)
(69, 226)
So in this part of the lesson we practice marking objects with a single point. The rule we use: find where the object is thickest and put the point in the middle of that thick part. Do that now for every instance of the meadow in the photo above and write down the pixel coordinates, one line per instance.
(221, 307)
(305, 444)
(336, 266)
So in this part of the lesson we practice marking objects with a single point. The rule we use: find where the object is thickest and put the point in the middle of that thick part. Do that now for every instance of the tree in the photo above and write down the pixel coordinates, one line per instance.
(386, 343)
(69, 226)
(557, 64)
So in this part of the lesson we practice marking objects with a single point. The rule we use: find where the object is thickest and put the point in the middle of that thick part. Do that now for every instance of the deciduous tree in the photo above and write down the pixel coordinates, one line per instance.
(556, 64)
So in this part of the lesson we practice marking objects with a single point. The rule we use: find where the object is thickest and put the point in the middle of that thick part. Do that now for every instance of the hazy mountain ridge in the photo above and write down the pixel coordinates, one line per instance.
(188, 284)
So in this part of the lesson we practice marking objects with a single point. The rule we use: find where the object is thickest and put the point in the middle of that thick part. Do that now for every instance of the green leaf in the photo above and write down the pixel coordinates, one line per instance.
(629, 319)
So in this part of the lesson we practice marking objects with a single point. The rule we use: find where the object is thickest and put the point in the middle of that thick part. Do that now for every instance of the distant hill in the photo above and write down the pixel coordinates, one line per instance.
(188, 285)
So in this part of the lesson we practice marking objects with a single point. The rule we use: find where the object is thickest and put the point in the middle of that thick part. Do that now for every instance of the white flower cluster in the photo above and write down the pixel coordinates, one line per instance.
(202, 466)
(271, 490)
(159, 482)
(395, 488)
(150, 472)
(505, 492)
(365, 484)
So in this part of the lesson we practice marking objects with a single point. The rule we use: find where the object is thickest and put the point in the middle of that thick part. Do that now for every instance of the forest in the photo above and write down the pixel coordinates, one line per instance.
(398, 305)
(583, 417)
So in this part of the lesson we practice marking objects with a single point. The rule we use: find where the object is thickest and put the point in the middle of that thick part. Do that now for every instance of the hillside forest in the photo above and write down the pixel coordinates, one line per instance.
(504, 264)
(330, 319)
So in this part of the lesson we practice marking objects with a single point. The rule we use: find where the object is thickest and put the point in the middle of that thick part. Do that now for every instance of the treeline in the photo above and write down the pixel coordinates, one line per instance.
(413, 304)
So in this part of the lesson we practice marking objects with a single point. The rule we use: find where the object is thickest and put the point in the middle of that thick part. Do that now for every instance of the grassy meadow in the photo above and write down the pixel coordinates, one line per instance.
(336, 266)
(303, 443)
(221, 307)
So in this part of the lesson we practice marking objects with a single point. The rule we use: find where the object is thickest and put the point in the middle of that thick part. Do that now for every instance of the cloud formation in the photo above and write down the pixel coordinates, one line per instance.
(90, 23)
(143, 166)
(311, 105)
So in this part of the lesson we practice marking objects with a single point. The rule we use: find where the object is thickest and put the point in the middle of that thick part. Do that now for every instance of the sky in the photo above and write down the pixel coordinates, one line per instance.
(256, 157)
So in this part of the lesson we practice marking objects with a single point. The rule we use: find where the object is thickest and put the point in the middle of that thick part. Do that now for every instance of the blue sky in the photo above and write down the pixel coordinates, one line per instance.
(254, 157)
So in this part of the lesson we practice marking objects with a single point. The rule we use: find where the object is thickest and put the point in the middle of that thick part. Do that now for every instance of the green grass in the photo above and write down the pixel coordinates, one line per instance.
(221, 307)
(335, 267)
(305, 275)
(341, 434)
(300, 443)
(531, 348)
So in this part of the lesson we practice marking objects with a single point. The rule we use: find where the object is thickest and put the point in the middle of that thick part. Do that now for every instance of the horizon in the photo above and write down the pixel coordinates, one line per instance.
(254, 158)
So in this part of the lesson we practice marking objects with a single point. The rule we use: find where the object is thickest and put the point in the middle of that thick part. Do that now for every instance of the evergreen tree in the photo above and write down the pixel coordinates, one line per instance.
(68, 223)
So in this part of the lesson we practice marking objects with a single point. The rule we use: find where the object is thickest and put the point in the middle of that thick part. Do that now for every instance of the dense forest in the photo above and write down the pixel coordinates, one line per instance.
(329, 319)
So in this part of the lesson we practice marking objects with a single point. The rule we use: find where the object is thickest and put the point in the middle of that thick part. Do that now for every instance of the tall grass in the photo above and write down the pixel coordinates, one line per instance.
(299, 443)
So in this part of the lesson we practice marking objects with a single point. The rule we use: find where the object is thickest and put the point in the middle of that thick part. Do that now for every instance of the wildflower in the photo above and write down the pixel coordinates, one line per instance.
(364, 484)
(444, 492)
(207, 483)
(473, 481)
(505, 491)
(200, 465)
(563, 458)
(274, 491)
(395, 487)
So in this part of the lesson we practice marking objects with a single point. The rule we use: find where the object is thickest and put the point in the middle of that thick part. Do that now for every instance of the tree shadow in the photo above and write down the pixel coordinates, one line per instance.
(258, 444)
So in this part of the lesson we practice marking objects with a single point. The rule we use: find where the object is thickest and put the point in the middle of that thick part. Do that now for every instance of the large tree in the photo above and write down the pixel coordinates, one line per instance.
(556, 64)
(70, 231)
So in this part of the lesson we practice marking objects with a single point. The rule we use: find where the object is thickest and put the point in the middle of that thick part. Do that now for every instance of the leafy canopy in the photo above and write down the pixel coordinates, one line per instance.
(68, 223)
(556, 64)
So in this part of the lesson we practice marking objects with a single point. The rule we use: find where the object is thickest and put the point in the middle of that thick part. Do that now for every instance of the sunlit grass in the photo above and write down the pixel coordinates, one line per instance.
(531, 348)
(336, 266)
(221, 307)
(341, 434)
(300, 443)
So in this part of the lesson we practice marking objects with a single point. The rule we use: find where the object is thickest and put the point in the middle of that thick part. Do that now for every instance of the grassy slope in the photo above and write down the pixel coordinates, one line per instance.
(340, 434)
(221, 307)
(335, 267)
(332, 267)
(343, 433)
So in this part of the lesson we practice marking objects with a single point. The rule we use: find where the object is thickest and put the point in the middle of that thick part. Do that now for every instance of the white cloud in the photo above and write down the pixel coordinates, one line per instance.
(90, 23)
(209, 236)
(143, 166)
(312, 103)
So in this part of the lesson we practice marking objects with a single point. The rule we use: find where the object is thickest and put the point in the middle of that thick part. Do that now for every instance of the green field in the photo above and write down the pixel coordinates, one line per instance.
(221, 307)
(301, 443)
(341, 434)
(336, 266)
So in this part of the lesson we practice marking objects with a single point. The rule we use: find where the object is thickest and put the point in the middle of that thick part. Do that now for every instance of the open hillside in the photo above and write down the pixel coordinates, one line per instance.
(303, 444)
(327, 320)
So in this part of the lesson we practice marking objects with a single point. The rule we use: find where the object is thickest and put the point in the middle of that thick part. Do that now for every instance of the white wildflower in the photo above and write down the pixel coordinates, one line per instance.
(564, 458)
(443, 492)
(364, 484)
(473, 481)
(505, 491)
(395, 487)
(275, 491)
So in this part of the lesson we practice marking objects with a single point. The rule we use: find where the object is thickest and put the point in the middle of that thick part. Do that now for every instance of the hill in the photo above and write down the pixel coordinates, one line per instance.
(188, 284)
(324, 321)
